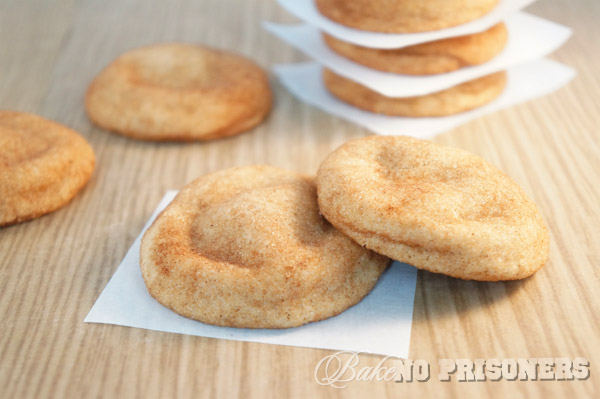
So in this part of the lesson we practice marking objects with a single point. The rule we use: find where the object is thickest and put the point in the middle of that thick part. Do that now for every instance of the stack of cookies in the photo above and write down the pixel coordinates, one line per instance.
(411, 58)
(441, 56)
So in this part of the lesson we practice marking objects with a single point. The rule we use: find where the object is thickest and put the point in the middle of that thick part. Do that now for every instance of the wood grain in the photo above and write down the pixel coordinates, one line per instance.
(52, 269)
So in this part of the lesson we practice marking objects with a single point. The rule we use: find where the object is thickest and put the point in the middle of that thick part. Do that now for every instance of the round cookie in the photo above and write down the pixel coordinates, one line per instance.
(429, 58)
(42, 166)
(246, 247)
(438, 208)
(459, 98)
(179, 92)
(403, 16)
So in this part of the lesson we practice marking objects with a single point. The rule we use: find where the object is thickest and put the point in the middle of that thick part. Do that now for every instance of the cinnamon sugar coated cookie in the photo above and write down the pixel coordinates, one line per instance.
(246, 247)
(438, 208)
(456, 99)
(403, 16)
(42, 166)
(179, 92)
(439, 56)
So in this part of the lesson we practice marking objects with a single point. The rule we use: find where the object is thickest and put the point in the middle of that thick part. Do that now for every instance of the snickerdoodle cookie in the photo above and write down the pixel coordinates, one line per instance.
(246, 247)
(403, 16)
(429, 58)
(459, 98)
(179, 92)
(438, 208)
(42, 166)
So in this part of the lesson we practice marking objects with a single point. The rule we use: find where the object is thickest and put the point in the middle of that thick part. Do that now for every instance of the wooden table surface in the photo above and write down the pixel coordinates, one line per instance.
(52, 269)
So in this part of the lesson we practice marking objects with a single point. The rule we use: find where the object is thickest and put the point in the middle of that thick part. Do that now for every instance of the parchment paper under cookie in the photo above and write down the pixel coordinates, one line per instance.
(380, 323)
(525, 82)
(307, 11)
(529, 37)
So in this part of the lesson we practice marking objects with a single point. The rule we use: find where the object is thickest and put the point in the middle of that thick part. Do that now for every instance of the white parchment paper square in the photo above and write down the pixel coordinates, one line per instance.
(525, 82)
(380, 323)
(307, 11)
(529, 38)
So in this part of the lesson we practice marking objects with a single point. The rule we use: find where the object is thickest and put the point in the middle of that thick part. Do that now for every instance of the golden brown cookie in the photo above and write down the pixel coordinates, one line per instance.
(427, 58)
(438, 208)
(246, 247)
(42, 166)
(403, 16)
(179, 92)
(459, 98)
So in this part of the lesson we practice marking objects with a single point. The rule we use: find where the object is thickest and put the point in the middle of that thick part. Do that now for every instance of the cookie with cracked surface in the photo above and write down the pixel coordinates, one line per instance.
(429, 58)
(438, 208)
(456, 99)
(43, 165)
(179, 92)
(246, 247)
(403, 16)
